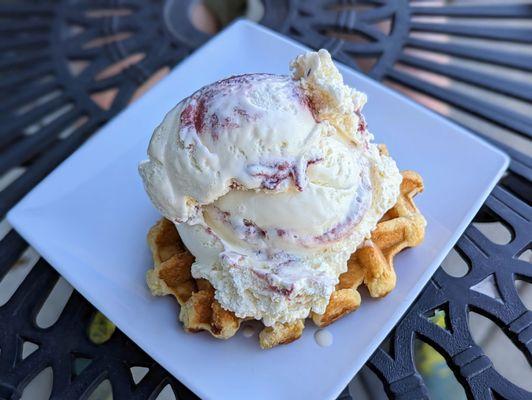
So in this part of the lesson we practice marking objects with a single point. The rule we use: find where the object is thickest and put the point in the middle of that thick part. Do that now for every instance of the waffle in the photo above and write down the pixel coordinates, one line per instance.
(372, 265)
(171, 275)
(199, 309)
(277, 334)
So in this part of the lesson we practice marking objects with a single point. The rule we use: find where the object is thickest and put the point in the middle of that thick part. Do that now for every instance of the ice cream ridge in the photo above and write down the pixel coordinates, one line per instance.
(272, 182)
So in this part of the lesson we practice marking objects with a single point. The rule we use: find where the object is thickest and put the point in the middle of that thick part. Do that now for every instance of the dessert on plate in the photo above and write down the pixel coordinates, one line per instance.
(276, 203)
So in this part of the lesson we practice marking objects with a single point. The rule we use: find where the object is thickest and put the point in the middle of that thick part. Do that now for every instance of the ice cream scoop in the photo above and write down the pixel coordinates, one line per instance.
(272, 182)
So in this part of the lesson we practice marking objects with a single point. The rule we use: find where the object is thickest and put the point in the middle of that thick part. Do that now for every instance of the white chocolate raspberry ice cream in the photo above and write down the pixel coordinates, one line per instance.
(272, 182)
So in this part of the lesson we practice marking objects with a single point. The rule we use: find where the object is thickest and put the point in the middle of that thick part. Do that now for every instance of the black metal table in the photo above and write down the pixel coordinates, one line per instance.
(67, 67)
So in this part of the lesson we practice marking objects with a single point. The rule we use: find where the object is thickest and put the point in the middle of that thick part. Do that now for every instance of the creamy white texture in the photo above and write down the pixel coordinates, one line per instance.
(272, 182)
(224, 133)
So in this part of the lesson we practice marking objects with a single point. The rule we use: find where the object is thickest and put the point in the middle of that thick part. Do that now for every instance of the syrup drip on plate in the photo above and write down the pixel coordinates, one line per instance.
(248, 331)
(323, 337)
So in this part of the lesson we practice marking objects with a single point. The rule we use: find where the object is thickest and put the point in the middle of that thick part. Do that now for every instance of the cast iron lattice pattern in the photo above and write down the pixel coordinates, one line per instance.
(66, 67)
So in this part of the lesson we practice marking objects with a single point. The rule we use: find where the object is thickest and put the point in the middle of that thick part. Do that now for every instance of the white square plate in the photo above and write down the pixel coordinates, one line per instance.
(90, 217)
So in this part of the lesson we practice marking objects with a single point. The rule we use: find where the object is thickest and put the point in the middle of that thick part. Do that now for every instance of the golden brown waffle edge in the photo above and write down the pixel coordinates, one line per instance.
(372, 264)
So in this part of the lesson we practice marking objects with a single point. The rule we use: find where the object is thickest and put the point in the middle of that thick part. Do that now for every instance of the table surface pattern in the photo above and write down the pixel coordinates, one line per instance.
(67, 67)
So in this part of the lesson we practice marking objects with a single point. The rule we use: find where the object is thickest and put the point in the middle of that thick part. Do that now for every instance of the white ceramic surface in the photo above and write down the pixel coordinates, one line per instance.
(90, 217)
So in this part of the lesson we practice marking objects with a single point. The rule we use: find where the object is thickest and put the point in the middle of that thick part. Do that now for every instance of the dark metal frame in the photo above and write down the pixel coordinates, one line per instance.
(41, 40)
